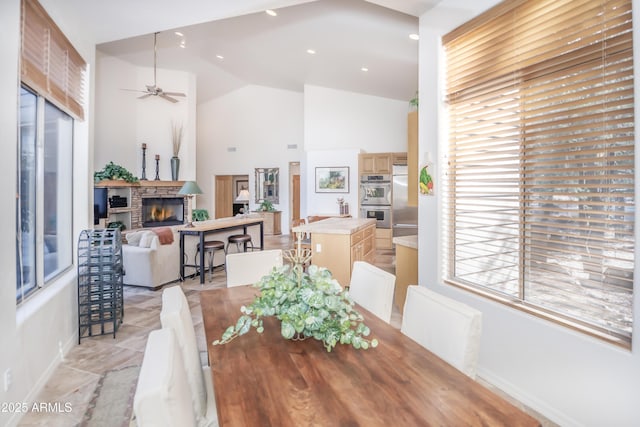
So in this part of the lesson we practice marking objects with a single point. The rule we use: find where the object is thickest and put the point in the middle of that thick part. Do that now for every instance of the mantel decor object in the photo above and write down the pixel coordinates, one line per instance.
(176, 140)
(315, 306)
(144, 162)
(157, 167)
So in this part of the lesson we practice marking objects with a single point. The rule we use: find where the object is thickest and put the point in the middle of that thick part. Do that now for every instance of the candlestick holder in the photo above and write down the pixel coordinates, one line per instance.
(144, 163)
(157, 168)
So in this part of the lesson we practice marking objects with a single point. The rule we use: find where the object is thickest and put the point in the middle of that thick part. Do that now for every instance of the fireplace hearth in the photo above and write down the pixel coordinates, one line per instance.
(162, 211)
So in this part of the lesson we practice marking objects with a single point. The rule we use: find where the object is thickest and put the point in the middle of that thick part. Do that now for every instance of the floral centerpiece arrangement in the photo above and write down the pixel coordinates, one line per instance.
(308, 304)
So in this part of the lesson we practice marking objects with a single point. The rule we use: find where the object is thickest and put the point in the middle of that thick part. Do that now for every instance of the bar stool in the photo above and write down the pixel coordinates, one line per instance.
(240, 239)
(210, 248)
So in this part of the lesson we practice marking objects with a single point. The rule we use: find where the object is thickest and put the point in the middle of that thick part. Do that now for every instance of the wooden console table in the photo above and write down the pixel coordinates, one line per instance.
(266, 380)
(201, 230)
(272, 221)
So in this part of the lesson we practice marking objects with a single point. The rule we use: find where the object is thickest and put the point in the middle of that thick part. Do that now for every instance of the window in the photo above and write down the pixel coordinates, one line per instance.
(540, 198)
(52, 73)
(44, 209)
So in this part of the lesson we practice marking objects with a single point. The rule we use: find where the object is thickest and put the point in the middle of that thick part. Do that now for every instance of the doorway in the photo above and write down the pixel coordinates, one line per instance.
(294, 191)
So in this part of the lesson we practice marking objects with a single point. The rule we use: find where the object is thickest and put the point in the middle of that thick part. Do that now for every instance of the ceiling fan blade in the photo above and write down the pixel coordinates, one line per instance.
(174, 93)
(168, 98)
(135, 90)
(145, 96)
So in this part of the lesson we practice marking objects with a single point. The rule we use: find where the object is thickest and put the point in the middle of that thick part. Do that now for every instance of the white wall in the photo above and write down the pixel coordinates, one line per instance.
(32, 334)
(571, 378)
(259, 122)
(338, 125)
(124, 122)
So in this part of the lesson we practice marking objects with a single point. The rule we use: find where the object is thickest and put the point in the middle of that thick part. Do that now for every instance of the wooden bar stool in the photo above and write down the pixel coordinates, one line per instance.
(210, 248)
(240, 239)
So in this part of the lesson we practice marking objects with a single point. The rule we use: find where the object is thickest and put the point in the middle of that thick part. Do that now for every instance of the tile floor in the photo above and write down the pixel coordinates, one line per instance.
(75, 379)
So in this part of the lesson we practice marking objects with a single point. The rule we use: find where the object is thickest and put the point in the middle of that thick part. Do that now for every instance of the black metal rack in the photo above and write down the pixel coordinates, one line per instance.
(100, 271)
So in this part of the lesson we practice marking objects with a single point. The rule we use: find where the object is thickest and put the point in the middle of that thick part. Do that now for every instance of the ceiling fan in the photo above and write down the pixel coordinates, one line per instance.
(154, 90)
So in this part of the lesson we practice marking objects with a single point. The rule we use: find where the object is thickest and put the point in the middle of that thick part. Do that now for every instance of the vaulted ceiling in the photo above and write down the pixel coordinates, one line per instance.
(229, 44)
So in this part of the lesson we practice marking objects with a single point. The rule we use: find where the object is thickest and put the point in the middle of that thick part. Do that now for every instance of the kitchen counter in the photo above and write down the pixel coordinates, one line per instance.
(336, 226)
(336, 243)
(406, 267)
(408, 241)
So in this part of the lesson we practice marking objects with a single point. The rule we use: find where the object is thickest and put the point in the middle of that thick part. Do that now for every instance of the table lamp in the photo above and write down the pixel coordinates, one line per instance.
(243, 198)
(189, 189)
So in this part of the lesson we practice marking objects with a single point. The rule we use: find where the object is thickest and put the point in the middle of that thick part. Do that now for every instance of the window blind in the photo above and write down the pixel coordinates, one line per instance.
(540, 179)
(49, 63)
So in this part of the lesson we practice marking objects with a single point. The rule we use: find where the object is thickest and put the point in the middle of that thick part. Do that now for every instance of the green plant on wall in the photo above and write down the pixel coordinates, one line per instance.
(115, 172)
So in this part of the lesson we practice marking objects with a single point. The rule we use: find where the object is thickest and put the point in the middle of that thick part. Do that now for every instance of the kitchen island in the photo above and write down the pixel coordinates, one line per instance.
(406, 267)
(336, 243)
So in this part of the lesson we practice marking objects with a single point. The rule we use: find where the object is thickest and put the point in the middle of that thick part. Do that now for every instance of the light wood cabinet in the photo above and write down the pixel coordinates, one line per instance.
(338, 251)
(375, 163)
(384, 238)
(412, 158)
(406, 271)
(272, 222)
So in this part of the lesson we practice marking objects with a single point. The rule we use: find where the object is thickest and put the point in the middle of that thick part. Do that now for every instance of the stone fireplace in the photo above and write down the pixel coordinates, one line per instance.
(161, 211)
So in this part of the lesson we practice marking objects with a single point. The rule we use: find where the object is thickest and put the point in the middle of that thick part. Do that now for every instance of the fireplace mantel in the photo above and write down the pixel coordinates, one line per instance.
(145, 183)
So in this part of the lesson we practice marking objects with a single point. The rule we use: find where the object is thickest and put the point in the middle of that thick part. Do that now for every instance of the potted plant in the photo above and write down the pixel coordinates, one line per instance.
(114, 172)
(308, 304)
(266, 206)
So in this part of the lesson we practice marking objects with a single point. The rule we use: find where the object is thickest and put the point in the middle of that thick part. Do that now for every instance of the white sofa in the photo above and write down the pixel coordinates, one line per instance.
(150, 264)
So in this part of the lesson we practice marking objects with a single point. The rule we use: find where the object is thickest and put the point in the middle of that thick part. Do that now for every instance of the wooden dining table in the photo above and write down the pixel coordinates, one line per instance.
(265, 380)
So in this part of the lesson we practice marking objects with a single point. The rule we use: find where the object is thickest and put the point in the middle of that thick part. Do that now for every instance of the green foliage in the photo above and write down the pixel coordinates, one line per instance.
(266, 205)
(309, 304)
(114, 171)
(199, 215)
(117, 224)
(413, 102)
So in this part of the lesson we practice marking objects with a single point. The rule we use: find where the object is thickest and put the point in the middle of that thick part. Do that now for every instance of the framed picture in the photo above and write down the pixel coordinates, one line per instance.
(332, 179)
(241, 184)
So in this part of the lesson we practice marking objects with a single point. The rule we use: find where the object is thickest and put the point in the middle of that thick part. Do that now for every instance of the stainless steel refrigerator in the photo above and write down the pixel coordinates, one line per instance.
(405, 218)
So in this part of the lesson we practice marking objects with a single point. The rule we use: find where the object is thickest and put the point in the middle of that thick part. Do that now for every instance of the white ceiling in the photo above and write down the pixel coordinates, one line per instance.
(259, 49)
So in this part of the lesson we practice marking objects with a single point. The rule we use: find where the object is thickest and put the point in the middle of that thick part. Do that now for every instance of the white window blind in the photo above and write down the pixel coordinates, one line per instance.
(540, 180)
(49, 63)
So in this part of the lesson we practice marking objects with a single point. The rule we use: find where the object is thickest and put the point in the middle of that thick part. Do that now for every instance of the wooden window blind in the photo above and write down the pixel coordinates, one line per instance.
(49, 63)
(540, 202)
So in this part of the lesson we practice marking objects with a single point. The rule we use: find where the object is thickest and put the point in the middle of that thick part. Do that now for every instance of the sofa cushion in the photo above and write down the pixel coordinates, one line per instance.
(133, 237)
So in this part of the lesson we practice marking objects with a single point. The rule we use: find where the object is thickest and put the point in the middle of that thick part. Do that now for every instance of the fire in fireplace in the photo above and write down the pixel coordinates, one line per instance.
(161, 211)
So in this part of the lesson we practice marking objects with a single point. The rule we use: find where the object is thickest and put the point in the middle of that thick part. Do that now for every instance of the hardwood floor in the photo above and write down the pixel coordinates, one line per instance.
(76, 378)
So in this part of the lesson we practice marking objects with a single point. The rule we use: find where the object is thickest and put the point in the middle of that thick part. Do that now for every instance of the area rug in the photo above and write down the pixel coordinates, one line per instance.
(112, 402)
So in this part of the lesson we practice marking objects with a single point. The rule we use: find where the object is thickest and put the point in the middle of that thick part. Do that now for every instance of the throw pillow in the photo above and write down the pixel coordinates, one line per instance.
(147, 239)
(133, 237)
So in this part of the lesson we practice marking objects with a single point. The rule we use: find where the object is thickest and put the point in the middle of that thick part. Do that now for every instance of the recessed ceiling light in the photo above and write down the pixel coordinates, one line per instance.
(219, 56)
(414, 36)
(179, 34)
(365, 69)
(311, 51)
(271, 12)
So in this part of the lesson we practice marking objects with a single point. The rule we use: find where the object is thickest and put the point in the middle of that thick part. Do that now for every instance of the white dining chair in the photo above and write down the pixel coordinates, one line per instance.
(372, 288)
(246, 268)
(163, 395)
(444, 326)
(176, 315)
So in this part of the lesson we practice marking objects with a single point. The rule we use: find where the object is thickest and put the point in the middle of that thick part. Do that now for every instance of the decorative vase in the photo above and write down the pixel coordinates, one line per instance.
(175, 168)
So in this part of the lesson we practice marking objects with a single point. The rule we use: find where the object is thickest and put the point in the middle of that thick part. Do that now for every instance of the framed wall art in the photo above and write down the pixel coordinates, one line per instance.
(332, 179)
